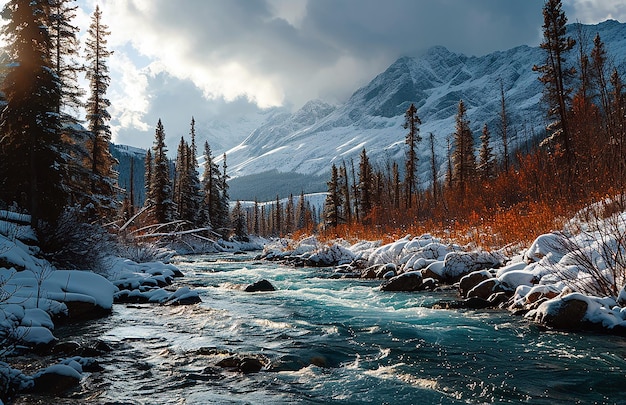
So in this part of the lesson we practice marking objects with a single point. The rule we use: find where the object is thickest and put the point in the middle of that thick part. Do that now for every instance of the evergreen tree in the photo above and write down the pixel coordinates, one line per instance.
(504, 130)
(599, 77)
(366, 185)
(396, 185)
(486, 169)
(433, 168)
(223, 214)
(182, 183)
(65, 50)
(333, 202)
(33, 159)
(301, 214)
(556, 76)
(257, 223)
(277, 220)
(103, 182)
(355, 191)
(289, 216)
(463, 161)
(211, 189)
(195, 188)
(449, 173)
(147, 176)
(160, 193)
(238, 219)
(411, 122)
(345, 193)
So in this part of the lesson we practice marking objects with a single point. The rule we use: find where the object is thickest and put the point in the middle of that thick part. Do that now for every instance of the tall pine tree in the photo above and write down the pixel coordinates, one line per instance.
(463, 161)
(556, 76)
(103, 183)
(411, 122)
(33, 162)
(160, 194)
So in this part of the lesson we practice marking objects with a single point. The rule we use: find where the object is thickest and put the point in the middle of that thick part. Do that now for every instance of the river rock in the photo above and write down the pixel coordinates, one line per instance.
(261, 285)
(561, 313)
(472, 280)
(250, 365)
(485, 288)
(476, 303)
(369, 272)
(82, 311)
(410, 281)
(385, 269)
(428, 284)
(246, 364)
(56, 379)
(66, 348)
(458, 264)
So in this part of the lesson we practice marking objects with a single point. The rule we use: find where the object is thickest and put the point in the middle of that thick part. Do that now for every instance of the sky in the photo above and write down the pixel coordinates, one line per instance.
(218, 60)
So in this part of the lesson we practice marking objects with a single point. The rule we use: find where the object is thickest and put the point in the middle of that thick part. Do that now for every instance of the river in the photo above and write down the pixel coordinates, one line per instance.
(339, 341)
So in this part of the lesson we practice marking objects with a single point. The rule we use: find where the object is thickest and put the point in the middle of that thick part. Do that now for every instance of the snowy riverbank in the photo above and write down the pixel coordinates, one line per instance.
(571, 280)
(35, 297)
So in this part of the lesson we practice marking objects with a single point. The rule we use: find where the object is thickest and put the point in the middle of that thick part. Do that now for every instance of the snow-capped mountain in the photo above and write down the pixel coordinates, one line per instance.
(311, 139)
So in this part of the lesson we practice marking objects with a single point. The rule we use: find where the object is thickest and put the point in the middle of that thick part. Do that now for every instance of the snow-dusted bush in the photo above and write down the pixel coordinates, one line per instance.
(74, 243)
(593, 261)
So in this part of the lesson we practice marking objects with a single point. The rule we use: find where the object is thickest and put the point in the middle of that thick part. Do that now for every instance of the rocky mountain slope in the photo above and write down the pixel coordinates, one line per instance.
(311, 139)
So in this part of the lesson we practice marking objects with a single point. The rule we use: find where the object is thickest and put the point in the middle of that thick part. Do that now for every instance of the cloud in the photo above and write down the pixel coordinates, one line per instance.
(289, 51)
(594, 11)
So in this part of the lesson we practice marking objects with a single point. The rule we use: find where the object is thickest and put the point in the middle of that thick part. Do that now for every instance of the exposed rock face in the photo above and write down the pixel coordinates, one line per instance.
(261, 285)
(410, 281)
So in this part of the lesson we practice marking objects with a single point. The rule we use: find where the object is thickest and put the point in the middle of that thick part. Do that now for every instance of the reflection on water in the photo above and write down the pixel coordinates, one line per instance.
(340, 341)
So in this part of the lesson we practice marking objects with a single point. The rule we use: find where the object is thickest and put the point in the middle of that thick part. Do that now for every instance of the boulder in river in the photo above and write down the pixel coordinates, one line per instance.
(261, 285)
(472, 280)
(56, 379)
(561, 313)
(410, 281)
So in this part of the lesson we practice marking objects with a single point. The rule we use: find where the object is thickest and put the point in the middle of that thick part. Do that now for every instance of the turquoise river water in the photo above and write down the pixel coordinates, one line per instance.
(342, 341)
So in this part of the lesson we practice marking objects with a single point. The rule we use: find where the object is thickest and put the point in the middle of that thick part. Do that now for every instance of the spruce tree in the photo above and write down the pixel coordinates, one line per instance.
(182, 182)
(433, 169)
(160, 185)
(504, 130)
(147, 177)
(238, 219)
(411, 122)
(33, 160)
(223, 215)
(366, 186)
(256, 219)
(345, 193)
(301, 212)
(195, 188)
(103, 181)
(333, 202)
(556, 76)
(278, 220)
(210, 189)
(486, 169)
(463, 161)
(65, 52)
